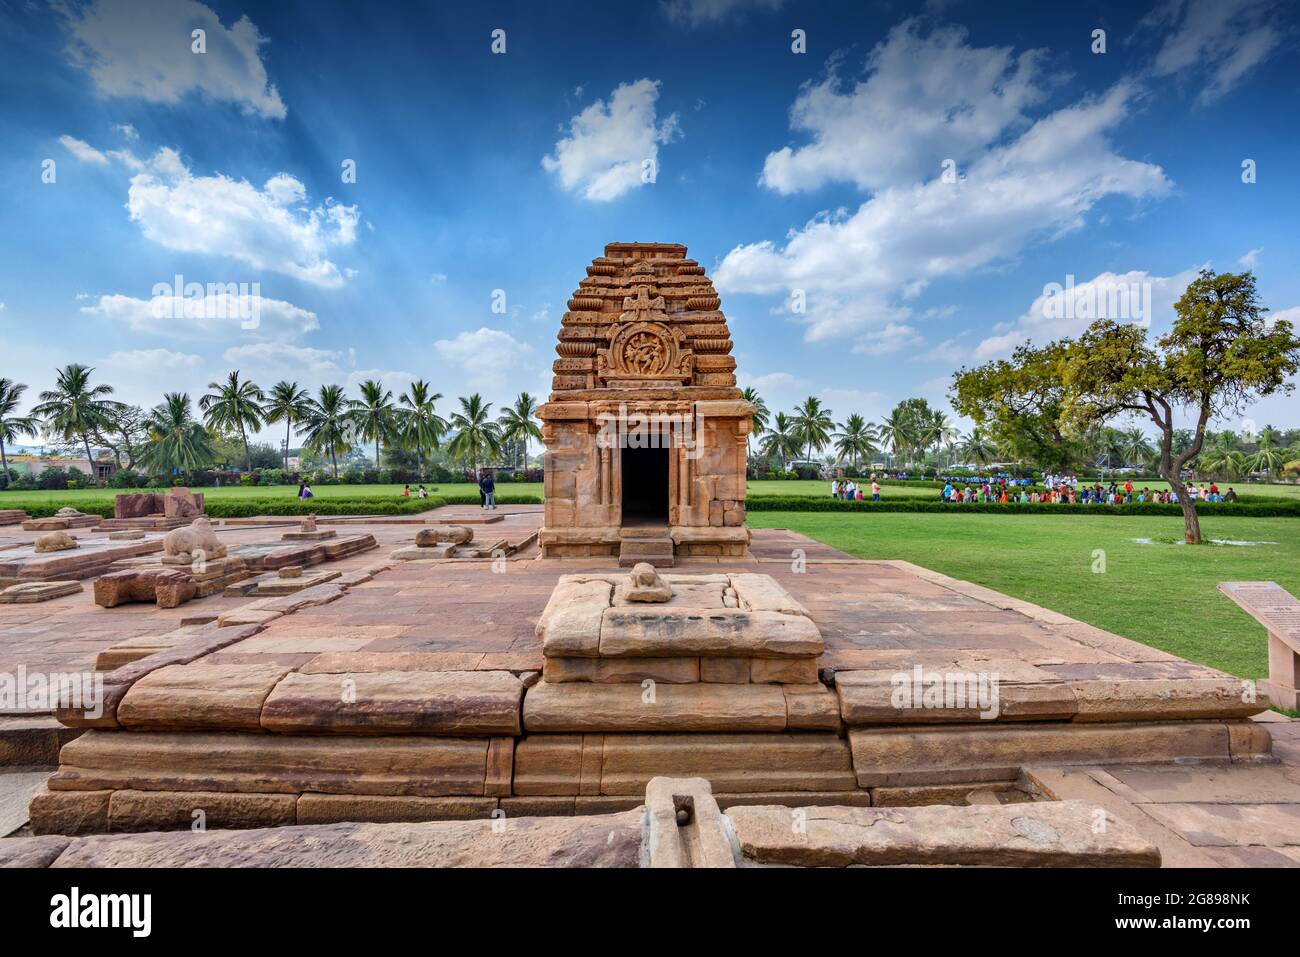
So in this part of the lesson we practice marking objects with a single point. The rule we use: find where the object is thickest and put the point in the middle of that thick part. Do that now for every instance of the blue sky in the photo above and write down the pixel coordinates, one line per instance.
(815, 176)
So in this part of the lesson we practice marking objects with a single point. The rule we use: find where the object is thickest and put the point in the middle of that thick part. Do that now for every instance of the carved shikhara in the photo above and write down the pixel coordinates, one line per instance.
(644, 340)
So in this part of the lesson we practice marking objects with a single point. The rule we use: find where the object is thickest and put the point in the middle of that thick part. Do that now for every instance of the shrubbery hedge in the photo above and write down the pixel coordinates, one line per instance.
(1261, 507)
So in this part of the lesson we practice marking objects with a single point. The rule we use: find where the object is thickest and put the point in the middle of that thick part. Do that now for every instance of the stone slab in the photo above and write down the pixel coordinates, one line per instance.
(200, 697)
(1054, 834)
(579, 706)
(396, 702)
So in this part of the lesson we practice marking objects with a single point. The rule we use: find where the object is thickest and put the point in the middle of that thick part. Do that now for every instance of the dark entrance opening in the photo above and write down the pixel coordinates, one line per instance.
(645, 486)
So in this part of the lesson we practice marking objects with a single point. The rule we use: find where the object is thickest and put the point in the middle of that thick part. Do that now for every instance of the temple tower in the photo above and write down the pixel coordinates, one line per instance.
(645, 429)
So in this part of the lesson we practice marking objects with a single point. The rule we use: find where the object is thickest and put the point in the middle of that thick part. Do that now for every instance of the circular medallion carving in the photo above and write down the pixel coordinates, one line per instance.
(646, 353)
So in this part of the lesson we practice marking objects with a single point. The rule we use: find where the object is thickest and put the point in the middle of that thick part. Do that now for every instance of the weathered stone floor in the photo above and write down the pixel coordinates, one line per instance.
(443, 652)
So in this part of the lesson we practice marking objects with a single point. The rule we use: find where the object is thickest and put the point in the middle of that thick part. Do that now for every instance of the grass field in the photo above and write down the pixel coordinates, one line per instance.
(1163, 595)
(17, 499)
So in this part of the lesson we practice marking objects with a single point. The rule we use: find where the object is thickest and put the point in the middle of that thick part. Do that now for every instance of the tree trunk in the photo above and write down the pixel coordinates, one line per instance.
(1191, 521)
(89, 461)
(4, 462)
(248, 456)
(334, 461)
(288, 424)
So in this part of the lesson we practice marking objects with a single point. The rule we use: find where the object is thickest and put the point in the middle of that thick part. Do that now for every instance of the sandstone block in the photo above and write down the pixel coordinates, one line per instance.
(178, 810)
(387, 809)
(579, 706)
(662, 631)
(201, 697)
(69, 812)
(1053, 834)
(1163, 699)
(991, 751)
(729, 671)
(622, 670)
(282, 764)
(392, 702)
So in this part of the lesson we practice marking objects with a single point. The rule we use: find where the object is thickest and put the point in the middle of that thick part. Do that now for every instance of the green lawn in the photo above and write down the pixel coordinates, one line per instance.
(73, 496)
(1163, 595)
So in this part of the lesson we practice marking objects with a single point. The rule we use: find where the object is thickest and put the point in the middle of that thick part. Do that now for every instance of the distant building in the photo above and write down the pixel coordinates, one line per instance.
(34, 465)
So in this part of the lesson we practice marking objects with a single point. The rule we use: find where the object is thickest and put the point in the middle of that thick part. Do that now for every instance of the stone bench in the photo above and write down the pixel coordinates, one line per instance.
(1279, 612)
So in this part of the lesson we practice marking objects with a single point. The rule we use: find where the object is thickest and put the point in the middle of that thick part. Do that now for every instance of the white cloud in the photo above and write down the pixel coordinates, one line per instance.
(269, 228)
(697, 12)
(1250, 258)
(860, 269)
(608, 144)
(142, 48)
(1124, 297)
(149, 361)
(1220, 39)
(774, 380)
(127, 130)
(925, 99)
(83, 150)
(209, 316)
(281, 360)
(889, 338)
(394, 380)
(487, 357)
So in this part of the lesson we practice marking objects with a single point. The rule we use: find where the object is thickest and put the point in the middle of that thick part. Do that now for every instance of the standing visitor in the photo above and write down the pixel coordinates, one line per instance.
(488, 487)
(875, 491)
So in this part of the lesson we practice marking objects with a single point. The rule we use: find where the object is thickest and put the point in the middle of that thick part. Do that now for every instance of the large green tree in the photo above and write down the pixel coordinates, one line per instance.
(1018, 402)
(12, 424)
(234, 406)
(286, 403)
(176, 439)
(75, 409)
(1220, 355)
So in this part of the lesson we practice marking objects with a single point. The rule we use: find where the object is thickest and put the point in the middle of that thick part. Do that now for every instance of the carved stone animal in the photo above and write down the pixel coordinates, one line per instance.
(55, 542)
(644, 584)
(196, 537)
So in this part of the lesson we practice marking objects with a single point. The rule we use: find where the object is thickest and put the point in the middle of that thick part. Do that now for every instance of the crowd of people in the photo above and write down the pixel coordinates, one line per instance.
(1069, 490)
(1056, 489)
(850, 491)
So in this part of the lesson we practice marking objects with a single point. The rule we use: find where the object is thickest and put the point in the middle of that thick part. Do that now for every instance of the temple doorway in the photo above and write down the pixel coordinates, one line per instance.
(645, 486)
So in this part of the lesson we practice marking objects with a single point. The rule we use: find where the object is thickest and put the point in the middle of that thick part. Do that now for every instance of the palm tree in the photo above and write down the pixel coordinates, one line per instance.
(813, 425)
(288, 404)
(979, 448)
(329, 424)
(1220, 456)
(74, 409)
(475, 432)
(1136, 447)
(856, 437)
(518, 423)
(234, 406)
(895, 432)
(1267, 457)
(420, 425)
(375, 416)
(177, 441)
(761, 415)
(780, 440)
(12, 425)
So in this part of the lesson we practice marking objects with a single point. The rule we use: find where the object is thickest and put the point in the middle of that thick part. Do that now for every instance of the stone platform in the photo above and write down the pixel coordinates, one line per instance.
(418, 695)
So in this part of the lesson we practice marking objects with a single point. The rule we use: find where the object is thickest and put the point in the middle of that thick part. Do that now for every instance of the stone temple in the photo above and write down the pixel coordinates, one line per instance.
(645, 429)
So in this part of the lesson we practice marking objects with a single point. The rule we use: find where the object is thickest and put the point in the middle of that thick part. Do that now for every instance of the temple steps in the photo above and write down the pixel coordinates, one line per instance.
(652, 545)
